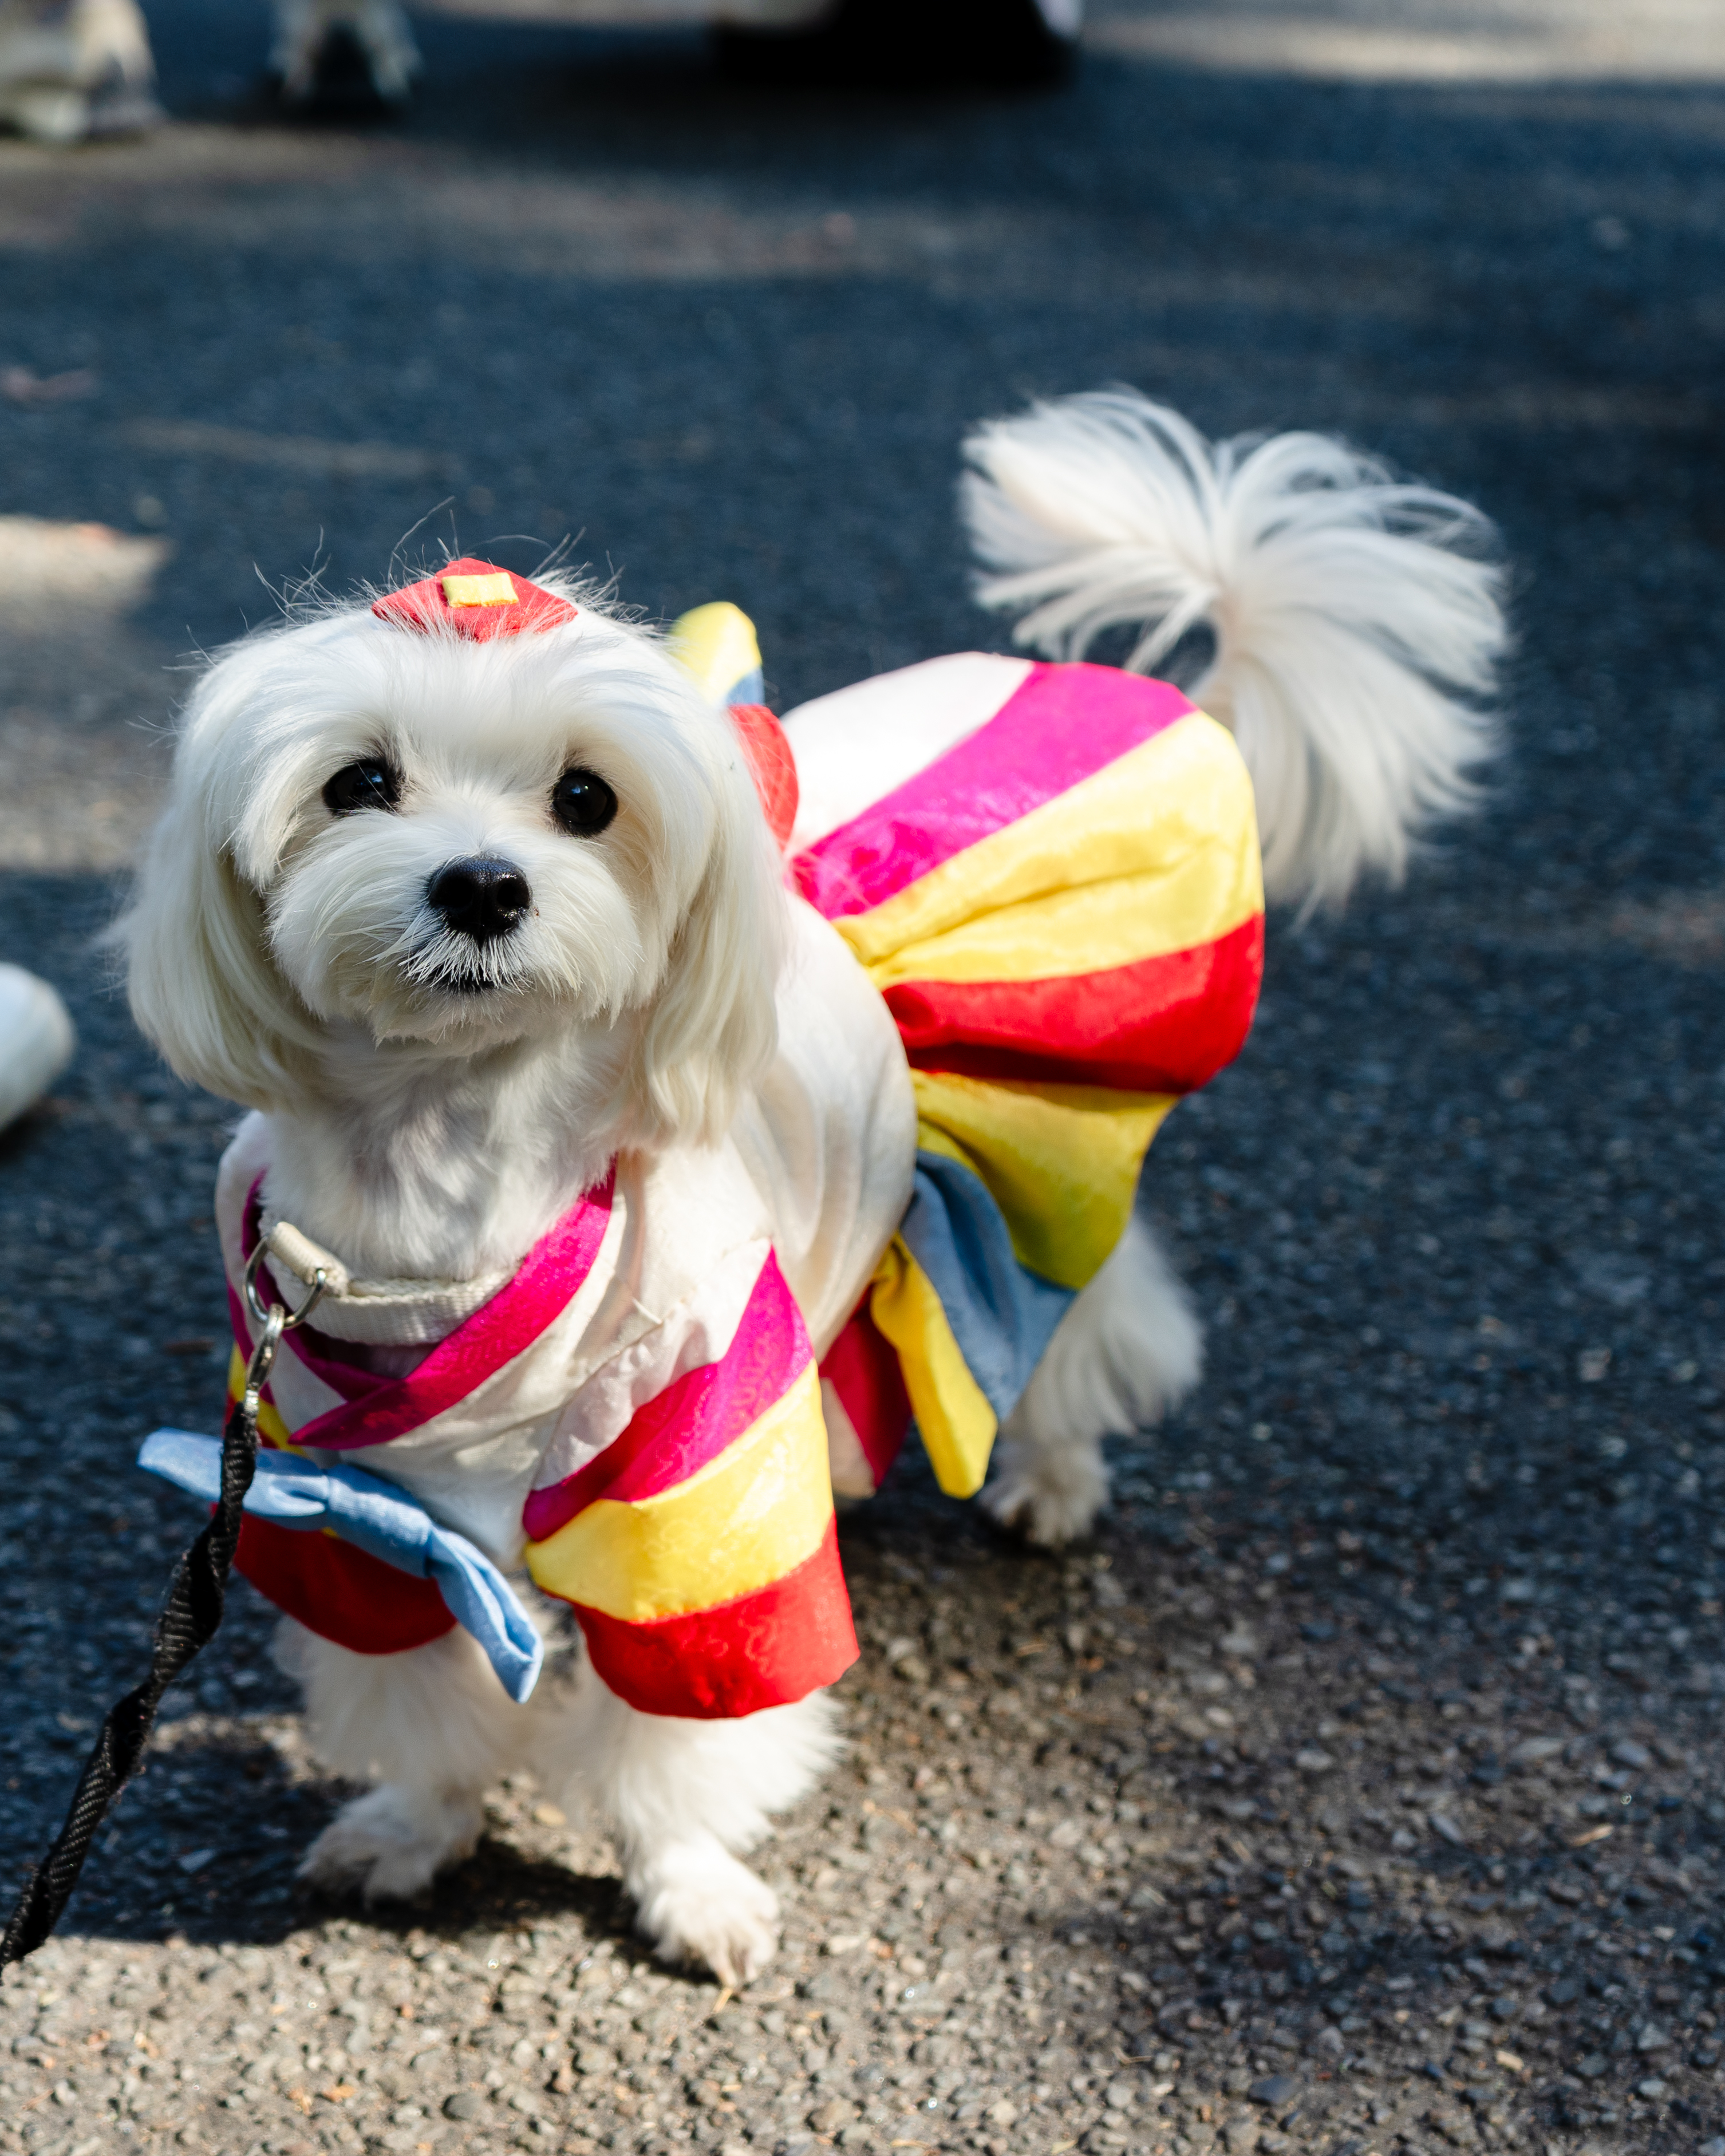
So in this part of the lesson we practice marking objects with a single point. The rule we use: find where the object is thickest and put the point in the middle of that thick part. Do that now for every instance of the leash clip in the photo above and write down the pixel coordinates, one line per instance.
(276, 1318)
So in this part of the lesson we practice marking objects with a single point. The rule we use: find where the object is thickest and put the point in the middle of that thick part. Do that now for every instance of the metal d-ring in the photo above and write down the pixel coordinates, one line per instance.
(261, 1311)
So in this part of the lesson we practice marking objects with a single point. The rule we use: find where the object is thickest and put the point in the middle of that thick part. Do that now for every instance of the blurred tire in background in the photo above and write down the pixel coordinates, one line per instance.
(914, 43)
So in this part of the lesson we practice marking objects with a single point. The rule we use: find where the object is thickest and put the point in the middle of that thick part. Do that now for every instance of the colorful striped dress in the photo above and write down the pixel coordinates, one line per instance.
(1059, 900)
(1028, 918)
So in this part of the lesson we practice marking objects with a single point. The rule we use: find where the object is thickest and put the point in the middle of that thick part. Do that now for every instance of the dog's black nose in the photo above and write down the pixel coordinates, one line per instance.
(479, 898)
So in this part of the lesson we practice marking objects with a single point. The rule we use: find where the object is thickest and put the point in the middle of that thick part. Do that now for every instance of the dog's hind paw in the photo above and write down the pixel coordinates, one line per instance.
(391, 1843)
(1050, 1498)
(697, 1903)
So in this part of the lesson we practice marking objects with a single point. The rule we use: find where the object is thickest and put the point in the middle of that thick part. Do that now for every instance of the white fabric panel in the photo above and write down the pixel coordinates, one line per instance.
(829, 1137)
(858, 743)
(695, 1333)
(846, 1460)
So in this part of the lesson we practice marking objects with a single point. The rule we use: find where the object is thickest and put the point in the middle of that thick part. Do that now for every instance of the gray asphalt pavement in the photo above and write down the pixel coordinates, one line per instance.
(1359, 1789)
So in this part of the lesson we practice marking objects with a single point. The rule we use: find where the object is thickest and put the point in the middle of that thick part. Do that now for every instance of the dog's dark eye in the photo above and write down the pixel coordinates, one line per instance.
(371, 783)
(582, 802)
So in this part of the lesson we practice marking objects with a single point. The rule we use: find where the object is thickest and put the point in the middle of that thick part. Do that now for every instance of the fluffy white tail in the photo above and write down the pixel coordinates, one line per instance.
(1357, 627)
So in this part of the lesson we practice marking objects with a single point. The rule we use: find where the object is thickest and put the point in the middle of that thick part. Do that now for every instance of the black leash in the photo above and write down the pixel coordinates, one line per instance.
(189, 1620)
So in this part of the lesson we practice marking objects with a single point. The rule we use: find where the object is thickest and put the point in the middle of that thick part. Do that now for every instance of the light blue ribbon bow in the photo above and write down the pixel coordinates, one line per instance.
(373, 1515)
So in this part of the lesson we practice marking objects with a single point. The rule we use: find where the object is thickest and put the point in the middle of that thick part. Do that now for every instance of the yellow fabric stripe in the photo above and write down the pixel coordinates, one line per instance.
(1061, 1162)
(1084, 929)
(953, 1413)
(269, 1422)
(743, 1521)
(1156, 853)
(715, 643)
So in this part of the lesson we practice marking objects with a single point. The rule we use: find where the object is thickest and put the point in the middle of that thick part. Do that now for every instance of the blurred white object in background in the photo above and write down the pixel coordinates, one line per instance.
(48, 568)
(36, 1040)
(73, 69)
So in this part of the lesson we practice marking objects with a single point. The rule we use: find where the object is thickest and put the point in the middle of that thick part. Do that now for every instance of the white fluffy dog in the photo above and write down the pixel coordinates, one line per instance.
(472, 924)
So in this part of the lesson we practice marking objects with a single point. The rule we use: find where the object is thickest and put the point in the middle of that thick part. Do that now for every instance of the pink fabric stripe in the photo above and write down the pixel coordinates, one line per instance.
(1061, 725)
(542, 1286)
(695, 1417)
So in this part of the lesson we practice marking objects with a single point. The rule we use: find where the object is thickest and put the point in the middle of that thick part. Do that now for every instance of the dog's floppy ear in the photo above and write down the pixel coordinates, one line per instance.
(714, 1026)
(203, 985)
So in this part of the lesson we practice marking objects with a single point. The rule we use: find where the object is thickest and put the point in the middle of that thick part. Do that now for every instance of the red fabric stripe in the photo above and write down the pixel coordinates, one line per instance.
(1062, 725)
(768, 749)
(766, 1649)
(1164, 1026)
(539, 1290)
(862, 1367)
(339, 1591)
(695, 1418)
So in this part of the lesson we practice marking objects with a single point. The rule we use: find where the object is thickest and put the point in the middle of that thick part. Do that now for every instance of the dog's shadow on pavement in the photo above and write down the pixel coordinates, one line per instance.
(206, 1844)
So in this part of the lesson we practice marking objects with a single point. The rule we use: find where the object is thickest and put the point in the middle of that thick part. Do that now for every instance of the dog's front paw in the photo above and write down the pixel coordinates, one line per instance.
(1049, 1497)
(697, 1903)
(391, 1843)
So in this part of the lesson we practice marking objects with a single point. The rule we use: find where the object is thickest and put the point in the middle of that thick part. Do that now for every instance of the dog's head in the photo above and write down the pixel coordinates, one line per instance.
(389, 837)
